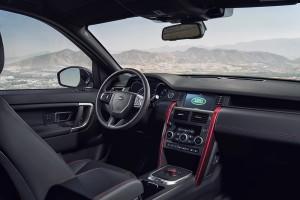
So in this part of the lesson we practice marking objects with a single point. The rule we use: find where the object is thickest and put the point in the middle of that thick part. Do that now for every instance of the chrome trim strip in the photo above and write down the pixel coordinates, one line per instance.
(86, 121)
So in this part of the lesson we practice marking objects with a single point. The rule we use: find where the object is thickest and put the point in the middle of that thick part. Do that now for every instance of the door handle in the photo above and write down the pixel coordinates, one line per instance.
(62, 116)
(83, 116)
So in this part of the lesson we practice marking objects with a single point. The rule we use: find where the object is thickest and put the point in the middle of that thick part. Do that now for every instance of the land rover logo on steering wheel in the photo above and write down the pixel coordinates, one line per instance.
(199, 101)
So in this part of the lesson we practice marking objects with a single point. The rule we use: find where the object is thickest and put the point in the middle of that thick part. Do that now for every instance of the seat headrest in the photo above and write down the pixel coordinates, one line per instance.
(1, 54)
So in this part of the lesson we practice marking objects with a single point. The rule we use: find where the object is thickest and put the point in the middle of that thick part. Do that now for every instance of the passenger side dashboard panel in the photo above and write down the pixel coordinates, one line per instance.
(259, 124)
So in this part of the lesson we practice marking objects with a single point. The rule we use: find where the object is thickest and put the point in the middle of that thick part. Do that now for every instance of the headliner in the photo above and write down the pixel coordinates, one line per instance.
(86, 12)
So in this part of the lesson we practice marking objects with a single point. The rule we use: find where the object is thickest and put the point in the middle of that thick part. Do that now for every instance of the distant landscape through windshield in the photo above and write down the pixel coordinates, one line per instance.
(259, 42)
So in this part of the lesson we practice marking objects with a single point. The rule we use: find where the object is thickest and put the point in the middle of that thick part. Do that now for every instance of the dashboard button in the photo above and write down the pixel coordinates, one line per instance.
(183, 137)
(170, 134)
(198, 140)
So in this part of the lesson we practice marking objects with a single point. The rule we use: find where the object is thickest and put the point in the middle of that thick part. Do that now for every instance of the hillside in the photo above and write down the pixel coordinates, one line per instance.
(65, 57)
(289, 48)
(192, 60)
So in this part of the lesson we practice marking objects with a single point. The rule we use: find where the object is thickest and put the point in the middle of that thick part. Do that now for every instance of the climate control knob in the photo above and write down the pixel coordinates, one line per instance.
(198, 140)
(170, 134)
(183, 137)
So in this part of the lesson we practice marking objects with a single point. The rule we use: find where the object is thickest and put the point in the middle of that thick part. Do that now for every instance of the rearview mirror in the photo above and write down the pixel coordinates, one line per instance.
(75, 77)
(184, 31)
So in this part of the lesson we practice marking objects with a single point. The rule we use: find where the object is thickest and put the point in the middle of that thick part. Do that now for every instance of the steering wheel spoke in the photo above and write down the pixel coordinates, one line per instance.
(113, 121)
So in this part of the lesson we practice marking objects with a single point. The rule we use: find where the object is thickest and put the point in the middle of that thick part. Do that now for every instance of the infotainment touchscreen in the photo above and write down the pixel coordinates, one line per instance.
(201, 101)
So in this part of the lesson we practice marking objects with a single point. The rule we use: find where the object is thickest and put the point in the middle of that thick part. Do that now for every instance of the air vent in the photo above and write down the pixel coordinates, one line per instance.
(181, 115)
(199, 117)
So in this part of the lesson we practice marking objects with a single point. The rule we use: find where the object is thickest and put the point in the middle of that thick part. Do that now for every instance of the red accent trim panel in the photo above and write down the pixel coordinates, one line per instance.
(207, 147)
(163, 136)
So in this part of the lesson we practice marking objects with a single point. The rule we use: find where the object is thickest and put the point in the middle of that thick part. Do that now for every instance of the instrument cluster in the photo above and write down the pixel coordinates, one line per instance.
(158, 88)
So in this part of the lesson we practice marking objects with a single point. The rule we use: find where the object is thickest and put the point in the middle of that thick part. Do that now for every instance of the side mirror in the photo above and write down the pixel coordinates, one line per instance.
(75, 77)
(184, 31)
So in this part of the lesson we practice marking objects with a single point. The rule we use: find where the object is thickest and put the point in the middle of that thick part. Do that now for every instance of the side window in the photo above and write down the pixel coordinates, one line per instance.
(34, 53)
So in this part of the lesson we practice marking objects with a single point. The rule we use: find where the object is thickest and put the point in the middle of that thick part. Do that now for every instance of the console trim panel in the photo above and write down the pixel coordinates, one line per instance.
(163, 136)
(151, 177)
(205, 154)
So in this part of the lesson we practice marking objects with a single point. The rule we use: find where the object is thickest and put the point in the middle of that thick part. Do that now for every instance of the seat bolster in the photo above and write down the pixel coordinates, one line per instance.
(78, 165)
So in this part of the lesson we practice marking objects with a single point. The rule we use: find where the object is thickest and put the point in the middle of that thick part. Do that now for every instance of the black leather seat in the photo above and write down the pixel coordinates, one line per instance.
(35, 167)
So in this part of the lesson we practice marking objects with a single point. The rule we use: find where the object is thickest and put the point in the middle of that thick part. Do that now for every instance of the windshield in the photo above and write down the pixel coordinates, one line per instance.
(259, 42)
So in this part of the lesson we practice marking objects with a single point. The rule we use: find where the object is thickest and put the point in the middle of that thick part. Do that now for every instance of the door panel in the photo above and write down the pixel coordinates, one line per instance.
(49, 120)
(55, 119)
(65, 118)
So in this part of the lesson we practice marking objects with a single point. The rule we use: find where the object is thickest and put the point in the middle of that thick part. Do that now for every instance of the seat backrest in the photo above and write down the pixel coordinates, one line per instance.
(31, 163)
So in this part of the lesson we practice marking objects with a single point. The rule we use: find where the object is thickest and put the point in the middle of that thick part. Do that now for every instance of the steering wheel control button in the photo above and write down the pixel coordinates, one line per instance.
(198, 140)
(138, 101)
(105, 97)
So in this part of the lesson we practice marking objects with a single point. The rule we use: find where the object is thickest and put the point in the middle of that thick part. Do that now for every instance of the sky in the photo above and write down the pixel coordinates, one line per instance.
(24, 36)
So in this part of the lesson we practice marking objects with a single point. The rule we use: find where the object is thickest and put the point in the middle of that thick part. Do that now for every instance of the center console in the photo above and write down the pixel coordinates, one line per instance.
(187, 130)
(187, 145)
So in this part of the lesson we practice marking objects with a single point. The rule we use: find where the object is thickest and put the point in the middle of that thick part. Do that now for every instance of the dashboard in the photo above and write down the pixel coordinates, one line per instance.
(276, 95)
(239, 98)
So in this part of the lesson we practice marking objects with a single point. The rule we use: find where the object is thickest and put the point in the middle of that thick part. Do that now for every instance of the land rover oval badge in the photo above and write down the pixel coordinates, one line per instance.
(199, 101)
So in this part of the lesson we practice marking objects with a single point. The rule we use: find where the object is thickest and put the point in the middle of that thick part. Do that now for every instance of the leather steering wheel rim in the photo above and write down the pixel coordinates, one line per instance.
(111, 99)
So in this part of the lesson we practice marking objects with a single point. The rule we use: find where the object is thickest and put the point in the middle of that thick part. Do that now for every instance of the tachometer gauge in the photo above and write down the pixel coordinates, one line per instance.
(140, 91)
(136, 86)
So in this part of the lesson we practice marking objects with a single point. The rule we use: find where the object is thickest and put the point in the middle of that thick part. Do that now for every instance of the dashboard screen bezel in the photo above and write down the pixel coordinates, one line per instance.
(210, 101)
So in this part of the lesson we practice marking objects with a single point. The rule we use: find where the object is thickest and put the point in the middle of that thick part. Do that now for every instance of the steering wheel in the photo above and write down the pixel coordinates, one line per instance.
(124, 109)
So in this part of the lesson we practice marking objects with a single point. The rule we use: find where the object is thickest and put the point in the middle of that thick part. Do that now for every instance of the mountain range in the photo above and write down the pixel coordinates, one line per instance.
(191, 60)
(196, 55)
(64, 57)
(287, 47)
